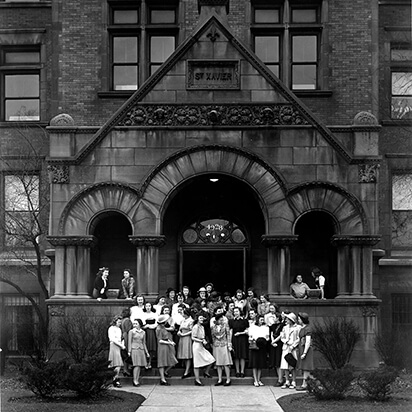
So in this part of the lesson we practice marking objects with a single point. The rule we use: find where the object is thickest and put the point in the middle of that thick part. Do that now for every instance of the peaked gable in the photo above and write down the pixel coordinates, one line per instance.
(242, 91)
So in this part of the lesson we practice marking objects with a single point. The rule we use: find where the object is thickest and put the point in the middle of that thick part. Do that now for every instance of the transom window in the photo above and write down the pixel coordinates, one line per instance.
(214, 232)
(20, 70)
(142, 38)
(402, 210)
(286, 36)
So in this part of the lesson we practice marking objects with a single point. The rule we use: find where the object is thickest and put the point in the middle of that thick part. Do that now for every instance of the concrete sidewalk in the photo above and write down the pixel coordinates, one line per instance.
(236, 398)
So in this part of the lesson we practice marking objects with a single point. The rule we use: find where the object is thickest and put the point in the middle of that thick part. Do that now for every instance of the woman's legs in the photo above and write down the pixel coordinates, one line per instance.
(237, 365)
(136, 375)
(242, 365)
(279, 371)
(219, 373)
(227, 373)
(306, 375)
(162, 374)
(188, 365)
(258, 375)
(293, 377)
(285, 372)
(197, 374)
(255, 375)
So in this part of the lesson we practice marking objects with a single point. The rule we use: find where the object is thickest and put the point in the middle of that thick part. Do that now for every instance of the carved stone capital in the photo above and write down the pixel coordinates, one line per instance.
(276, 240)
(369, 311)
(156, 241)
(87, 241)
(360, 240)
(59, 173)
(56, 310)
(368, 173)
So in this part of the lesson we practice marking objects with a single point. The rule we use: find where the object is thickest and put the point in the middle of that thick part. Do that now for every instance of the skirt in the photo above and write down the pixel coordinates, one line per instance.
(222, 356)
(138, 357)
(201, 356)
(184, 348)
(114, 355)
(166, 356)
(241, 347)
(151, 341)
(258, 358)
(283, 363)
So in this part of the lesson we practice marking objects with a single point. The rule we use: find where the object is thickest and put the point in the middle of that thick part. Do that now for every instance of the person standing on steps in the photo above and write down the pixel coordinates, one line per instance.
(137, 349)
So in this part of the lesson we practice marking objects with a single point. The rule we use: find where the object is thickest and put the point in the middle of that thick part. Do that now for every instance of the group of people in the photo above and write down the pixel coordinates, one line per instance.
(299, 289)
(209, 330)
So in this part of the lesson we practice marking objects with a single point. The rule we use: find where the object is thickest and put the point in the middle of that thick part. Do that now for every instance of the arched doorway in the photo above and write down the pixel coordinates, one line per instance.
(113, 249)
(313, 248)
(201, 209)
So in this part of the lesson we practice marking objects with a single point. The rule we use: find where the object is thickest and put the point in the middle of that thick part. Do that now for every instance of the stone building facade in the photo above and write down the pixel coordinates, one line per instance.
(237, 142)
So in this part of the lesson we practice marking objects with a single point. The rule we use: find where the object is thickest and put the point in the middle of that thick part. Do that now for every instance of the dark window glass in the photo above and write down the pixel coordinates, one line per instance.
(401, 104)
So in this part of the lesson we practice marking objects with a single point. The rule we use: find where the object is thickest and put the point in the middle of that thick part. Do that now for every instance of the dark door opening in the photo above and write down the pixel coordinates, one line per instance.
(224, 268)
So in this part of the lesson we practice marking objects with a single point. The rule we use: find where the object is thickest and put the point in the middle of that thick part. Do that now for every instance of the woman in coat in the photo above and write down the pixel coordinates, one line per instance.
(305, 358)
(259, 334)
(116, 344)
(137, 349)
(222, 346)
(101, 284)
(166, 358)
(149, 319)
(239, 330)
(184, 348)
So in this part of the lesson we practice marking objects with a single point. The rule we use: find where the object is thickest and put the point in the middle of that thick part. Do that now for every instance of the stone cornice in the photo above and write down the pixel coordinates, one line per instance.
(361, 240)
(278, 240)
(148, 240)
(88, 241)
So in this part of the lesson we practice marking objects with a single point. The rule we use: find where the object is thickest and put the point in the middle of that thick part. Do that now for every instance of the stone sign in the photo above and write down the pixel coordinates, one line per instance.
(211, 74)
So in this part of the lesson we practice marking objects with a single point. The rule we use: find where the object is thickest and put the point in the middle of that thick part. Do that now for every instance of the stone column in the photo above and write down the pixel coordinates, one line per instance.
(278, 263)
(147, 270)
(72, 265)
(355, 265)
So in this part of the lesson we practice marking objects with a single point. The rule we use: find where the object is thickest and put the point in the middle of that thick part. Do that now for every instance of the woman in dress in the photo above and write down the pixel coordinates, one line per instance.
(263, 306)
(259, 333)
(137, 349)
(149, 319)
(126, 326)
(116, 344)
(137, 311)
(127, 286)
(201, 356)
(222, 346)
(290, 338)
(166, 358)
(275, 348)
(161, 301)
(239, 327)
(240, 301)
(184, 348)
(270, 317)
(252, 300)
(101, 284)
(170, 298)
(187, 297)
(305, 359)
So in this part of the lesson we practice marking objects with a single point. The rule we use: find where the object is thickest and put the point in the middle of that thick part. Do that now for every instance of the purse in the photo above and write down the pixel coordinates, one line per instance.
(291, 360)
(252, 345)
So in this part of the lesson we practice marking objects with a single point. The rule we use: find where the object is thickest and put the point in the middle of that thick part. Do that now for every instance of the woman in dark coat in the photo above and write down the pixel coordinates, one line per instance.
(305, 357)
(275, 348)
(239, 327)
(101, 284)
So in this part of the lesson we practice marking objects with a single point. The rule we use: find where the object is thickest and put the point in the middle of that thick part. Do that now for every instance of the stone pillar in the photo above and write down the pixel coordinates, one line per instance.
(147, 270)
(278, 263)
(355, 265)
(72, 265)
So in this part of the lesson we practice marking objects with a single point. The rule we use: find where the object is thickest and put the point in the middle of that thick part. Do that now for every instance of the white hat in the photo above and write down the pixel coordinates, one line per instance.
(163, 318)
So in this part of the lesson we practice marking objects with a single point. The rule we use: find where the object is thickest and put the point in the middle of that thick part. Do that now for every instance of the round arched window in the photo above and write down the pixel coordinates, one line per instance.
(213, 231)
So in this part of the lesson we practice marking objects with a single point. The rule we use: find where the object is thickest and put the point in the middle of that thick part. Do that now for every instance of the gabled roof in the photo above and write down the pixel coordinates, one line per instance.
(206, 41)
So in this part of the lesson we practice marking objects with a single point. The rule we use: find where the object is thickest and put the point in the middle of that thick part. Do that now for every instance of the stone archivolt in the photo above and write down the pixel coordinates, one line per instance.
(213, 115)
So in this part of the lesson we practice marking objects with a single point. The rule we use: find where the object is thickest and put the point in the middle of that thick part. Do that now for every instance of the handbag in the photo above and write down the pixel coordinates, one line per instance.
(291, 360)
(125, 356)
(252, 345)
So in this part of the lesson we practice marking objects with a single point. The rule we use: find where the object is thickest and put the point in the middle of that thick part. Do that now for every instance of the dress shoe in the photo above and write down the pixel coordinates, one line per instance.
(186, 375)
(237, 375)
(302, 388)
(136, 384)
(242, 375)
(206, 375)
(164, 383)
(167, 375)
(227, 383)
(220, 383)
(197, 383)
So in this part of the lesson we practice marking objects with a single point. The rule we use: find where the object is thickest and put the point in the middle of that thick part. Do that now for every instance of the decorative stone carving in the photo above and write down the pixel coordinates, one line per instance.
(213, 34)
(156, 241)
(365, 119)
(365, 240)
(56, 310)
(88, 241)
(62, 119)
(368, 173)
(274, 240)
(59, 173)
(369, 311)
(199, 115)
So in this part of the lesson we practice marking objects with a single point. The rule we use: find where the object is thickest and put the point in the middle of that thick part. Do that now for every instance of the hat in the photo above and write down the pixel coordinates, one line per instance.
(291, 316)
(202, 289)
(209, 284)
(304, 316)
(261, 342)
(163, 318)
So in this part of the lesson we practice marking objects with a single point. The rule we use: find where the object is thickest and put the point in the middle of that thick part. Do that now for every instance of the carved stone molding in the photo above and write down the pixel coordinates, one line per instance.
(368, 173)
(275, 240)
(224, 115)
(56, 310)
(365, 119)
(87, 241)
(62, 119)
(156, 241)
(369, 311)
(361, 240)
(59, 173)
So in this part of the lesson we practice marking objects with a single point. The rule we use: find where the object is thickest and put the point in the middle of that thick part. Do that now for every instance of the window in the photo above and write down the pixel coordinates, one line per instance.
(134, 57)
(21, 209)
(402, 210)
(286, 36)
(402, 310)
(20, 70)
(401, 81)
(22, 324)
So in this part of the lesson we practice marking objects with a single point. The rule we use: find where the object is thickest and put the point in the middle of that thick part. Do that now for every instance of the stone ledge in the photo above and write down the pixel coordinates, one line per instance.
(395, 262)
